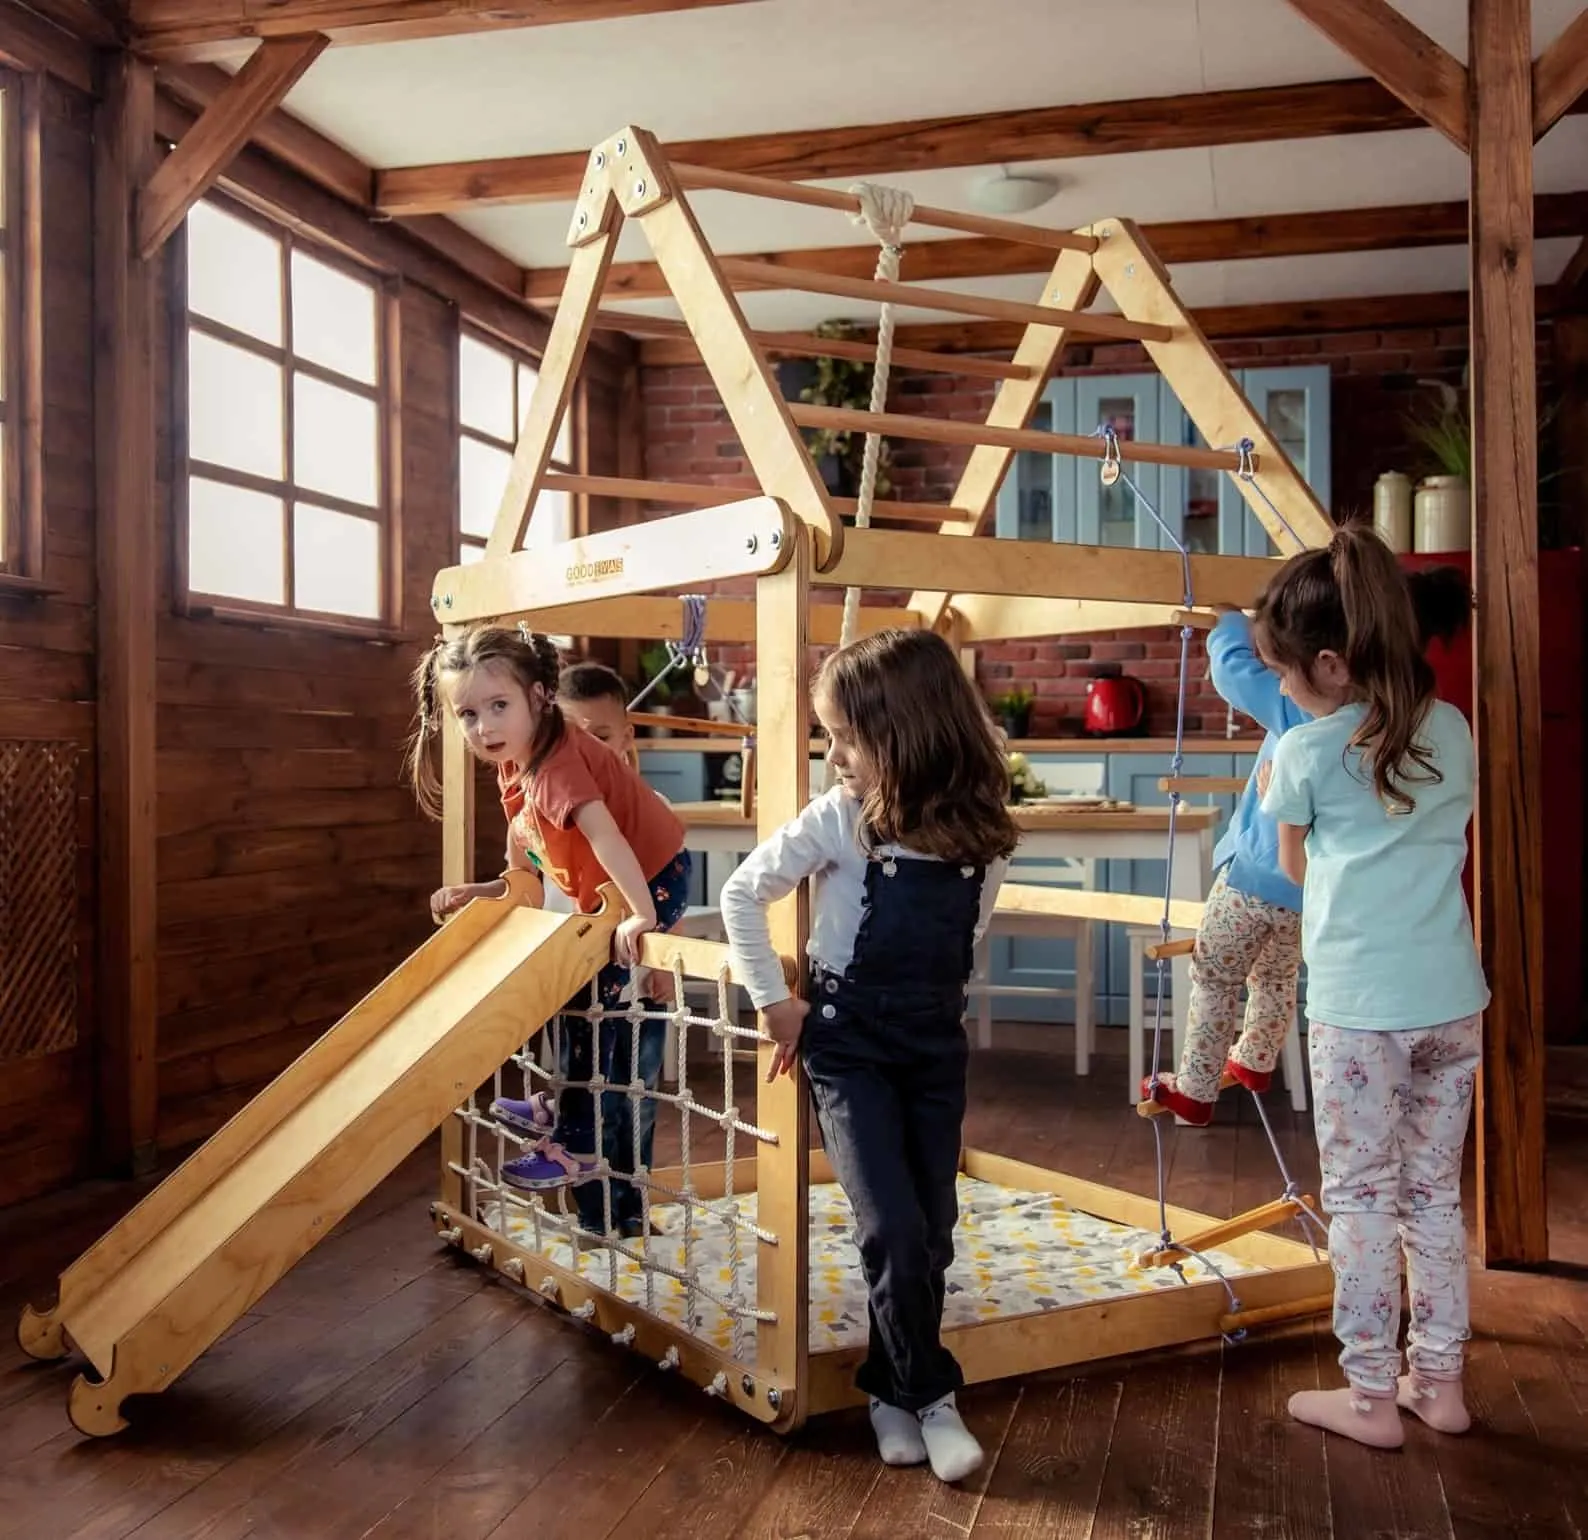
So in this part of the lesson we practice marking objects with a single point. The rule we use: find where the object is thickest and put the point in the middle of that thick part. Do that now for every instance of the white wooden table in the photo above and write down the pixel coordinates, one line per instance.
(1046, 832)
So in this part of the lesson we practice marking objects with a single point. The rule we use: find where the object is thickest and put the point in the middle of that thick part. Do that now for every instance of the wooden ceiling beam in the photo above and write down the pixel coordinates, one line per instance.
(1195, 120)
(209, 29)
(1392, 228)
(1400, 56)
(1571, 289)
(223, 128)
(83, 19)
(1560, 75)
(1289, 318)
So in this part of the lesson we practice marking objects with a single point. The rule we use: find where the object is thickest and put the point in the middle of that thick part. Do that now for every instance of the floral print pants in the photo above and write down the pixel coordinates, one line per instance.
(1242, 941)
(1391, 1110)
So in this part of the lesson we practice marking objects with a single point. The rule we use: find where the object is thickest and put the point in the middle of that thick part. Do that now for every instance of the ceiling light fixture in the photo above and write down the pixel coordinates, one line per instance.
(1005, 192)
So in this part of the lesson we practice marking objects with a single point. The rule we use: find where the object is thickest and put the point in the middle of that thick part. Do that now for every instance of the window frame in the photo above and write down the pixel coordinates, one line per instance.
(574, 420)
(384, 393)
(21, 345)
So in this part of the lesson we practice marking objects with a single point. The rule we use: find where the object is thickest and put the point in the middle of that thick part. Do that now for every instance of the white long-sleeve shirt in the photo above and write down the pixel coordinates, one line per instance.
(822, 843)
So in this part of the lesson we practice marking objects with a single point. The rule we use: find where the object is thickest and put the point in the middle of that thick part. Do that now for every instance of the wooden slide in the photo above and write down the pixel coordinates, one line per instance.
(193, 1256)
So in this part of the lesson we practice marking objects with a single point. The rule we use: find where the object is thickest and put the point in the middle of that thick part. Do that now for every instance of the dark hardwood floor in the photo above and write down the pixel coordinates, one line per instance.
(385, 1389)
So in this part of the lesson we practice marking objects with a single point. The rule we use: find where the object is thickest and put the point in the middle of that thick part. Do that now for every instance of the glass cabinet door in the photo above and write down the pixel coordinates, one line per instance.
(1112, 515)
(1294, 403)
(1037, 498)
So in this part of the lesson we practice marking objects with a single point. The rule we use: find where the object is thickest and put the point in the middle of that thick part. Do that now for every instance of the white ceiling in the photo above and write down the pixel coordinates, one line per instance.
(777, 65)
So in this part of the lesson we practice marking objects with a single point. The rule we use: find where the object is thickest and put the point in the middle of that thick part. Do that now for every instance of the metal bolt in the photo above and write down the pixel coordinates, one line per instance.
(448, 601)
(777, 538)
(435, 603)
(750, 543)
(600, 159)
(622, 147)
(1056, 295)
(582, 220)
(774, 1397)
(1130, 269)
(747, 1385)
(639, 188)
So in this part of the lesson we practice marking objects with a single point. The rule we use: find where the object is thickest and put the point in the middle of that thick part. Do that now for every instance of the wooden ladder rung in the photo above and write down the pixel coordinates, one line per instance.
(1261, 1218)
(698, 178)
(1182, 946)
(943, 430)
(1198, 620)
(702, 725)
(1268, 1315)
(1205, 785)
(713, 495)
(742, 271)
(1154, 1109)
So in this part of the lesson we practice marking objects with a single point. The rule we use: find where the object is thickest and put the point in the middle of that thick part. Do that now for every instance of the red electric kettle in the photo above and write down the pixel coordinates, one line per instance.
(1115, 706)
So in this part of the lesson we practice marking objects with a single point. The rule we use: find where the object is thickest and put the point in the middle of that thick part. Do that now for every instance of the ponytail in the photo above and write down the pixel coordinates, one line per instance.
(419, 762)
(1352, 599)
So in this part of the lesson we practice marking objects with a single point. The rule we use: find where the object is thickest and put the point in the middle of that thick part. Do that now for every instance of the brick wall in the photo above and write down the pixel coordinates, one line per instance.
(1375, 379)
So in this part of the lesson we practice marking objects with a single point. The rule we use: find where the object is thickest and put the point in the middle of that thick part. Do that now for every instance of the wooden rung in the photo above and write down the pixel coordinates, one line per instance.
(1206, 785)
(743, 271)
(1268, 1315)
(808, 345)
(1182, 946)
(713, 495)
(1216, 1235)
(698, 178)
(942, 430)
(1151, 1109)
(1198, 620)
(1093, 904)
(702, 725)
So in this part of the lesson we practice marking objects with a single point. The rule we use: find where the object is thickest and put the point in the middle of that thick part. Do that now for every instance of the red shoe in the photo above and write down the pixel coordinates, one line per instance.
(1252, 1079)
(1163, 1092)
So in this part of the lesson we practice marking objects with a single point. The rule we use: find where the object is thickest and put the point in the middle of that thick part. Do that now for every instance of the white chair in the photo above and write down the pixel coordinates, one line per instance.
(1143, 936)
(1084, 776)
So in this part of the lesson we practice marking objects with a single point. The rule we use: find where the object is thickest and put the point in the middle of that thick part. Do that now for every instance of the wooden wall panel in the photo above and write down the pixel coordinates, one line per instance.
(47, 645)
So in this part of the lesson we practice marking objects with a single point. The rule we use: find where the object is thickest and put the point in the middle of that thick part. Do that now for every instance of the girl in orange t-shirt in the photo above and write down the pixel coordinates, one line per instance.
(583, 814)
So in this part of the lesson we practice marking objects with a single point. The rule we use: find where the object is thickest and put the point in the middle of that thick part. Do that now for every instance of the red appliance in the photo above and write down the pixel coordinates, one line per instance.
(1560, 595)
(1115, 706)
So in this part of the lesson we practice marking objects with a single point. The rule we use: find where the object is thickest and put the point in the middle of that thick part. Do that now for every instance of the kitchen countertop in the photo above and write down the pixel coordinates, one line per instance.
(1202, 744)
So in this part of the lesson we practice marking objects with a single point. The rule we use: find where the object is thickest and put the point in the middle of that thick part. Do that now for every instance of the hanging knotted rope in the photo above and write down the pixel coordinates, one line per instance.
(689, 651)
(885, 211)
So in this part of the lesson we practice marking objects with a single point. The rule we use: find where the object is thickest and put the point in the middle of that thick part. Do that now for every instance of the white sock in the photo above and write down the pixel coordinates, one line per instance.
(899, 1440)
(950, 1446)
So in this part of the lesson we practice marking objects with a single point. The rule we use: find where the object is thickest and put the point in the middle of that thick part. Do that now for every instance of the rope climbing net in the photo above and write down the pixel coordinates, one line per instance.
(1171, 1252)
(694, 1254)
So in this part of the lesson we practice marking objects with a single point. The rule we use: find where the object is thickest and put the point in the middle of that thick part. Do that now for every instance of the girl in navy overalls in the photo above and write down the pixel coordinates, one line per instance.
(907, 850)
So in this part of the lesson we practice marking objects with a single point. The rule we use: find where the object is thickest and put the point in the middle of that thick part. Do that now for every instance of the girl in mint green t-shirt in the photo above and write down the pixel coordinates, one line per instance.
(1372, 798)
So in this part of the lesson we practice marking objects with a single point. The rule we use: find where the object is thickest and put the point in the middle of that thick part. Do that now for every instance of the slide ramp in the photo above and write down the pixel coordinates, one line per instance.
(154, 1292)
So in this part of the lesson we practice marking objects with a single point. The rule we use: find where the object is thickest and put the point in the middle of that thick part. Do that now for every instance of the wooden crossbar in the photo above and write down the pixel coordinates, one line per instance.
(1198, 620)
(1207, 785)
(1269, 1315)
(1149, 1108)
(706, 727)
(1262, 1218)
(703, 494)
(742, 271)
(1181, 946)
(808, 345)
(942, 430)
(1090, 904)
(703, 178)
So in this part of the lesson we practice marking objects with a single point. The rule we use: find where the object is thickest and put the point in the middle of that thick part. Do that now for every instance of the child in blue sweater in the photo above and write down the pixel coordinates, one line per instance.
(1251, 923)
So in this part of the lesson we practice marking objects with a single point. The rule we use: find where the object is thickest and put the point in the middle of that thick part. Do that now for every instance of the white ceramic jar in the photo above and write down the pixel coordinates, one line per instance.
(1443, 514)
(1392, 510)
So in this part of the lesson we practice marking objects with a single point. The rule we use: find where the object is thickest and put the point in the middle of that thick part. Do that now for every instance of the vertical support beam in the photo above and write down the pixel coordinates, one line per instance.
(457, 866)
(1072, 285)
(126, 602)
(782, 781)
(1507, 714)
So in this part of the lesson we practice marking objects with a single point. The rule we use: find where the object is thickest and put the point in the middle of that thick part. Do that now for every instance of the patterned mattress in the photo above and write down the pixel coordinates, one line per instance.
(1016, 1252)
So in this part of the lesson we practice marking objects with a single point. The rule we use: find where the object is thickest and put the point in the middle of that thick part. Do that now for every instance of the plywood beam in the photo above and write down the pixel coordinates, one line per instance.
(1400, 227)
(1400, 56)
(1194, 120)
(199, 29)
(128, 587)
(223, 128)
(1560, 75)
(1507, 709)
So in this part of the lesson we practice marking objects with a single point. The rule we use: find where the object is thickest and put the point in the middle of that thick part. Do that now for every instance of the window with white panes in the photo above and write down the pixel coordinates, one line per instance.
(287, 506)
(495, 384)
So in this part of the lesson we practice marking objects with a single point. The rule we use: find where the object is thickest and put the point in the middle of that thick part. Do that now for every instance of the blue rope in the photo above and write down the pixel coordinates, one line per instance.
(1249, 476)
(688, 650)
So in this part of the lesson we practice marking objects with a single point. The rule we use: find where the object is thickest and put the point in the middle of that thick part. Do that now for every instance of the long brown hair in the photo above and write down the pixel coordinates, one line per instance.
(942, 786)
(527, 655)
(1352, 599)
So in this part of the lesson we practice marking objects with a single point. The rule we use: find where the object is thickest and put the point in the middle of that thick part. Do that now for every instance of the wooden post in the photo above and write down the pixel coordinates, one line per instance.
(783, 1170)
(1507, 712)
(128, 587)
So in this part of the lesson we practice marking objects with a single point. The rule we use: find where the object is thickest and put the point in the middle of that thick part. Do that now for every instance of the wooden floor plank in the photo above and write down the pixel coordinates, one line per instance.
(1158, 1483)
(724, 1465)
(823, 1484)
(1050, 1470)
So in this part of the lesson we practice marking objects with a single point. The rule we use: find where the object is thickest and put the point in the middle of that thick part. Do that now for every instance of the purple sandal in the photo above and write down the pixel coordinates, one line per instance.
(547, 1165)
(535, 1115)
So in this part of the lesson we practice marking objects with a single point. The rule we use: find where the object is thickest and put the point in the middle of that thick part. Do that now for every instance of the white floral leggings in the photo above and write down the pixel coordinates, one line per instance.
(1242, 941)
(1391, 1110)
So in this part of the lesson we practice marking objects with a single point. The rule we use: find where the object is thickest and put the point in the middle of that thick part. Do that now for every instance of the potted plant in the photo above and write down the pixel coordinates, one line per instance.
(1012, 708)
(1024, 783)
(653, 665)
(841, 382)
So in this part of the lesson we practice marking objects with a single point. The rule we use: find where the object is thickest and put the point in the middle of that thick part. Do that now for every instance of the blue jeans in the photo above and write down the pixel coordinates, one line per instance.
(576, 1106)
